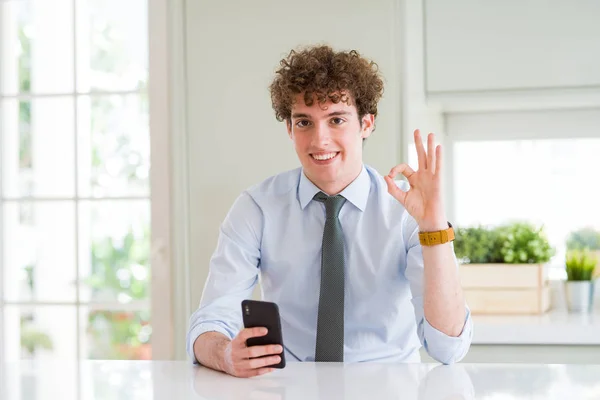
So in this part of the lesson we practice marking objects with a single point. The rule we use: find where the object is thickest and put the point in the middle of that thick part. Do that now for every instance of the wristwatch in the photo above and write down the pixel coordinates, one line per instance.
(437, 237)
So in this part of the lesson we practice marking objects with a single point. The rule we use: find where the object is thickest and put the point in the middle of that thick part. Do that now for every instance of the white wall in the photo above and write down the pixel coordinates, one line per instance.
(234, 140)
(513, 44)
(418, 112)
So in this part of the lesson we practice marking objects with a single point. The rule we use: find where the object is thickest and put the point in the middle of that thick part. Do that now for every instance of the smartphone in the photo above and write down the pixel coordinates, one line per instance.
(264, 314)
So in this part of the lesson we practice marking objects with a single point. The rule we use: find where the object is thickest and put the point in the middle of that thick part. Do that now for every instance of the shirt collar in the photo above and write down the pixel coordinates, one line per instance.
(356, 192)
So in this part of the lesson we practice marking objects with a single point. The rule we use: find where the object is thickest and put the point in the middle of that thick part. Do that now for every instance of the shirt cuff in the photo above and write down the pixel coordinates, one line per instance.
(198, 330)
(448, 349)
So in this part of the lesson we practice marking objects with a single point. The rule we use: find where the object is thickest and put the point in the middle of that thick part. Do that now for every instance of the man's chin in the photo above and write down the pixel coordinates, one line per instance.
(321, 175)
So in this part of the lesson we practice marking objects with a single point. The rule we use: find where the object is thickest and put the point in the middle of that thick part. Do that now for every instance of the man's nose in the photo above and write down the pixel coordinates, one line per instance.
(321, 135)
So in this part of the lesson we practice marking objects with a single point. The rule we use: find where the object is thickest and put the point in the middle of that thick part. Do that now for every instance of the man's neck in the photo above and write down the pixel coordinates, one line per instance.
(336, 187)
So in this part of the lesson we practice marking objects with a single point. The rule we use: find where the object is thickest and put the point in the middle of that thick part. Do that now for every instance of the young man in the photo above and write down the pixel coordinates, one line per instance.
(360, 268)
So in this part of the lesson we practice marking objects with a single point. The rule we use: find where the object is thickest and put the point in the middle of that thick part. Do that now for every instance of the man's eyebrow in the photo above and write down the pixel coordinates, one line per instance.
(338, 113)
(300, 115)
(332, 114)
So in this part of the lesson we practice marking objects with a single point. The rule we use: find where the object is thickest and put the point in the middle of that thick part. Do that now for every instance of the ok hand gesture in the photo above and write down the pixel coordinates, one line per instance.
(424, 199)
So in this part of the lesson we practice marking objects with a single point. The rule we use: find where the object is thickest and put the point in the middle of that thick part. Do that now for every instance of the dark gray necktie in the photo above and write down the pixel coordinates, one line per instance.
(330, 321)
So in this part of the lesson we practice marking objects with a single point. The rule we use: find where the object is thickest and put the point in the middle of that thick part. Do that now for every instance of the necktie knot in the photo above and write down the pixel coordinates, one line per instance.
(333, 204)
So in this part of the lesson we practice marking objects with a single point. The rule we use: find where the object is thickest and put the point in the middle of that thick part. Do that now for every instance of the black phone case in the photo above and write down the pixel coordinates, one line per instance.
(264, 314)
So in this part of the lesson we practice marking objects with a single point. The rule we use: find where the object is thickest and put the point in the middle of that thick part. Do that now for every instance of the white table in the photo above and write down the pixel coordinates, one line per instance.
(178, 380)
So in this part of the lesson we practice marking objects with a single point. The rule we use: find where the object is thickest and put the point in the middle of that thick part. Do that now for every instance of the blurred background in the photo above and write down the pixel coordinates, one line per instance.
(75, 224)
(128, 128)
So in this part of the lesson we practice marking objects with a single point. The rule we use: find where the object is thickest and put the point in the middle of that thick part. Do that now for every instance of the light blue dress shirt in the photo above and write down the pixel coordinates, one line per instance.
(273, 232)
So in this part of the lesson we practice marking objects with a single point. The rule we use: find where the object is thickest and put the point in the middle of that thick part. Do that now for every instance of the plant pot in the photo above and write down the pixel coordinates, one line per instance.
(509, 276)
(509, 289)
(580, 295)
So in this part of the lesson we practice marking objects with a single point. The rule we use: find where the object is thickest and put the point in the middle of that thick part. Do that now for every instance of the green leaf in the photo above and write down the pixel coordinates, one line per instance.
(580, 265)
(517, 242)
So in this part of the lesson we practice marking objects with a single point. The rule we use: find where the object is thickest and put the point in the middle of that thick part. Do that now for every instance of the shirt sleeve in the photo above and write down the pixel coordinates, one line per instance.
(233, 273)
(443, 348)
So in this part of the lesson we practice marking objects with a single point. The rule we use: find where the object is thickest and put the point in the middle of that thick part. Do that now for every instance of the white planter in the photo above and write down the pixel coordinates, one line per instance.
(580, 295)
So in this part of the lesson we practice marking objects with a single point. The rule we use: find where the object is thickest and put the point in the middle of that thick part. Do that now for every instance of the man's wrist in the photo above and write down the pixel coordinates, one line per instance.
(209, 349)
(439, 224)
(221, 354)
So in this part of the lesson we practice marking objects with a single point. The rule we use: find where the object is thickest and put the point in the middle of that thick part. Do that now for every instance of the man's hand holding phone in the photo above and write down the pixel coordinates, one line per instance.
(243, 361)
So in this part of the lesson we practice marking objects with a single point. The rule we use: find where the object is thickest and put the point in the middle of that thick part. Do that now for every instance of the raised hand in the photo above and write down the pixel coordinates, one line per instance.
(424, 199)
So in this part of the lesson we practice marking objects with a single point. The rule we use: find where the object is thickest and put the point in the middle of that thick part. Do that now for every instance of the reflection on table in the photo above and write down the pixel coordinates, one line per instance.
(175, 380)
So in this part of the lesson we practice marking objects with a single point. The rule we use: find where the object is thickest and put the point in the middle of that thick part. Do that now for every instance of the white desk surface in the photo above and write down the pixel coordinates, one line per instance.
(179, 380)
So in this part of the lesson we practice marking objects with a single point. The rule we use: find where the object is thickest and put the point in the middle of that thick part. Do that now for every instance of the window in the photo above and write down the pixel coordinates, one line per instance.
(74, 180)
(536, 166)
(548, 182)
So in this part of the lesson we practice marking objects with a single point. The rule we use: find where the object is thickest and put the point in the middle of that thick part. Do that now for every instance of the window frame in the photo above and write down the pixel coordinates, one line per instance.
(157, 92)
(543, 123)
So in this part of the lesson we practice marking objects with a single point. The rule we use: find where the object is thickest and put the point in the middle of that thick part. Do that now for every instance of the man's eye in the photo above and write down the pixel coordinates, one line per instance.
(302, 123)
(337, 121)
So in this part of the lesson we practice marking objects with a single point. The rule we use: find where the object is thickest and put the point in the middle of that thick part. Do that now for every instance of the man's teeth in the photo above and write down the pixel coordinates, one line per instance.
(324, 156)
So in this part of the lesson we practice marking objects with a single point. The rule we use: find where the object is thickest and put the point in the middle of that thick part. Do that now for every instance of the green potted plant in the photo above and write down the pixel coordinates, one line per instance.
(580, 266)
(477, 245)
(524, 243)
(586, 238)
(503, 268)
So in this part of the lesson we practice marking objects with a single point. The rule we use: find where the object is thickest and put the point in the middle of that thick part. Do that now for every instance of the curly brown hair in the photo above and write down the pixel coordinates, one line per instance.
(322, 73)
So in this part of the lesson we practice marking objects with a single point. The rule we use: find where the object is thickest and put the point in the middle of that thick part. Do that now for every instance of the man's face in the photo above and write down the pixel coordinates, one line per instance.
(328, 140)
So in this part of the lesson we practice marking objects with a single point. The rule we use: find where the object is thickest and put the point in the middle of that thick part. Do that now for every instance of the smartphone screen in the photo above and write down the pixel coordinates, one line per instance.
(263, 314)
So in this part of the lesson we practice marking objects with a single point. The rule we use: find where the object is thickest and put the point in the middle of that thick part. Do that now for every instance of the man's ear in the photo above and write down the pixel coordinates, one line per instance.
(367, 125)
